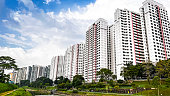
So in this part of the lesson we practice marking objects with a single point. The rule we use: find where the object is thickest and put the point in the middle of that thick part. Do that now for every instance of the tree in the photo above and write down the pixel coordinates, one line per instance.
(137, 71)
(68, 85)
(167, 81)
(126, 71)
(24, 83)
(77, 80)
(6, 63)
(140, 70)
(105, 74)
(149, 69)
(156, 83)
(114, 77)
(42, 82)
(163, 68)
(61, 79)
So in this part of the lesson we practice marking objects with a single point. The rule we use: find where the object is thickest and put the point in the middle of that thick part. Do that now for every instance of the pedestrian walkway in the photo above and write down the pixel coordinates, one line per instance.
(6, 93)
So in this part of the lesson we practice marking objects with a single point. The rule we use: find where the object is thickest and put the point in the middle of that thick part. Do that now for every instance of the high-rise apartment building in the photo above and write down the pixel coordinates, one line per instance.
(21, 74)
(37, 72)
(96, 49)
(128, 44)
(57, 67)
(28, 74)
(156, 31)
(74, 61)
(111, 58)
(47, 71)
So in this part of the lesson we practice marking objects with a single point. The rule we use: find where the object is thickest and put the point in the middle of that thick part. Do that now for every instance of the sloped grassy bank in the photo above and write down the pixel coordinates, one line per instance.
(7, 87)
(20, 92)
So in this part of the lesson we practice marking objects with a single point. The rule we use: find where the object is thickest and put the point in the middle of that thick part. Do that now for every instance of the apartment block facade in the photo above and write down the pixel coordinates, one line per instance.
(96, 50)
(29, 73)
(128, 42)
(74, 61)
(57, 67)
(156, 31)
(111, 58)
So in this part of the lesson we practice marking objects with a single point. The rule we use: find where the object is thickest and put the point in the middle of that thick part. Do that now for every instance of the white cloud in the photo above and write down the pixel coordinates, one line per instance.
(10, 38)
(10, 35)
(48, 1)
(50, 33)
(4, 21)
(28, 3)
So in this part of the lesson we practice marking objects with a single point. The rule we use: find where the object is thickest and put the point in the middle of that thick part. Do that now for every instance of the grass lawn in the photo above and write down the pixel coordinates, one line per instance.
(141, 83)
(164, 92)
(94, 93)
(20, 92)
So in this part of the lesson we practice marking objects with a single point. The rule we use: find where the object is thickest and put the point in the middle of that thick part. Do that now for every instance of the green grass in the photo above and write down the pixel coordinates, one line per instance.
(94, 93)
(38, 91)
(123, 87)
(141, 83)
(164, 92)
(20, 92)
(51, 87)
(26, 87)
(7, 87)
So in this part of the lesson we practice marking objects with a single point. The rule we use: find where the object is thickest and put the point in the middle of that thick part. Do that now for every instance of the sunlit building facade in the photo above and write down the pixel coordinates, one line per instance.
(156, 31)
(96, 50)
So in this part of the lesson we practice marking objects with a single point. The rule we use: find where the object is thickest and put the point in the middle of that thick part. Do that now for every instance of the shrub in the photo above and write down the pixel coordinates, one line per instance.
(97, 89)
(79, 89)
(7, 87)
(100, 85)
(116, 87)
(120, 81)
(62, 89)
(75, 91)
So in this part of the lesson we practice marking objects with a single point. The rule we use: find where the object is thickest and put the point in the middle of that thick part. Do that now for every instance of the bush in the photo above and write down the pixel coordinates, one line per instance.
(79, 89)
(167, 82)
(7, 87)
(75, 91)
(116, 87)
(100, 85)
(62, 89)
(120, 81)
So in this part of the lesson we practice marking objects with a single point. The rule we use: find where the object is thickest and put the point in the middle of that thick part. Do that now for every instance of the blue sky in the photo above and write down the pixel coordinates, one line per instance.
(17, 5)
(33, 31)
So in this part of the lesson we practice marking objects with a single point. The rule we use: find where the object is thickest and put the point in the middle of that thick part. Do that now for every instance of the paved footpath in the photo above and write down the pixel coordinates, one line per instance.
(6, 93)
